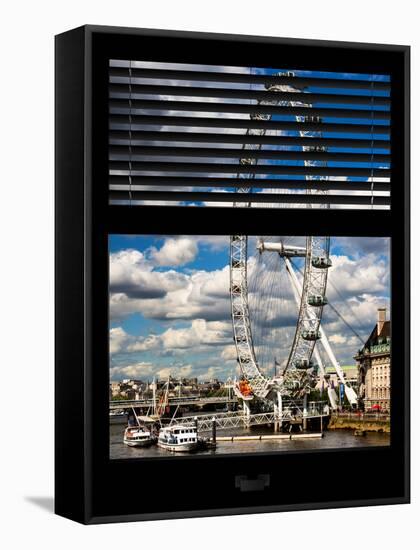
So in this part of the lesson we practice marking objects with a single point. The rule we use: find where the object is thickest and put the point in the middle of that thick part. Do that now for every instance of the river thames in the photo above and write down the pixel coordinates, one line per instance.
(333, 439)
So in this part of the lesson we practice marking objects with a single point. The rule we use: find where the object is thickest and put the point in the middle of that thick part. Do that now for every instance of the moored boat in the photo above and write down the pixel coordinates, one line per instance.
(178, 438)
(137, 436)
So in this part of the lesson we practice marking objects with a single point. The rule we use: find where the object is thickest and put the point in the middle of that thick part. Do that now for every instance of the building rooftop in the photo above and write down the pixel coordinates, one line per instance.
(380, 338)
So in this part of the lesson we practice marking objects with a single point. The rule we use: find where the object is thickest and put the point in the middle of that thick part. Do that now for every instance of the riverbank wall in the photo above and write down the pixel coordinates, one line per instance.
(360, 423)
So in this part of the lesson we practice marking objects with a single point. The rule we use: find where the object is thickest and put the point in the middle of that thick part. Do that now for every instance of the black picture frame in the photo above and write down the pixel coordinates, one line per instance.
(87, 482)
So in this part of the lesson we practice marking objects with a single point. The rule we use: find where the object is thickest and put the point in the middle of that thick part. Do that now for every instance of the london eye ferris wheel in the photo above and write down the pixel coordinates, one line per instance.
(263, 271)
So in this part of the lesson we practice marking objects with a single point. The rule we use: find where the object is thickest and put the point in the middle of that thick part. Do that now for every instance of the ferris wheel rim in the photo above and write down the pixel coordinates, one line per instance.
(241, 318)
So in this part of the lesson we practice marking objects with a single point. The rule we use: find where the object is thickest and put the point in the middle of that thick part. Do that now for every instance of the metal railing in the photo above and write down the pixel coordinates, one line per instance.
(235, 419)
(124, 403)
(226, 421)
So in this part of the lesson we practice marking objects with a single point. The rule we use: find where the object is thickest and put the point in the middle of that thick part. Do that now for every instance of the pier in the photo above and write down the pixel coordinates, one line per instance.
(289, 416)
(292, 414)
(269, 437)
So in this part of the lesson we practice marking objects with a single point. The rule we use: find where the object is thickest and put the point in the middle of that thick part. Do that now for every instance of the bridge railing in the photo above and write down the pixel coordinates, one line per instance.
(227, 420)
(123, 403)
(234, 419)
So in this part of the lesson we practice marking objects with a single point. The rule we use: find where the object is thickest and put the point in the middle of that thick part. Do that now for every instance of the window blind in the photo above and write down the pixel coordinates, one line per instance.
(204, 135)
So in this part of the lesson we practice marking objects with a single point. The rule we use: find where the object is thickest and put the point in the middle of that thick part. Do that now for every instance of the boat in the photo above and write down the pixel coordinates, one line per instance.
(137, 436)
(178, 438)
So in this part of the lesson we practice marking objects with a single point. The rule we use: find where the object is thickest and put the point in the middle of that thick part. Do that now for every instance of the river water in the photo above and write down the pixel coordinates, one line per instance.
(334, 439)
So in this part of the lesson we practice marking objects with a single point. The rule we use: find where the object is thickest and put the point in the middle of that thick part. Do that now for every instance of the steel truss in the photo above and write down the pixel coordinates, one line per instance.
(239, 419)
(314, 284)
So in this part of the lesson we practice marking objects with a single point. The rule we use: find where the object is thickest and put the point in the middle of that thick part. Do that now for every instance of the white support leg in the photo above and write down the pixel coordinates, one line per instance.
(350, 393)
(279, 412)
(305, 412)
(247, 412)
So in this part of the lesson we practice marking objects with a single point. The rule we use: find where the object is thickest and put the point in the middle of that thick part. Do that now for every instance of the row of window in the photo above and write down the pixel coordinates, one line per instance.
(380, 380)
(380, 393)
(380, 368)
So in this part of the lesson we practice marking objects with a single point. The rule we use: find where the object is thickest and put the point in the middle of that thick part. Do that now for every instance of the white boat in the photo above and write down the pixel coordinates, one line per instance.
(178, 438)
(137, 436)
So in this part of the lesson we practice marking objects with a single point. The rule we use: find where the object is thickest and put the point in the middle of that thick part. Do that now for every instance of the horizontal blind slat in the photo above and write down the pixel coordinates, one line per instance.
(271, 80)
(258, 183)
(244, 124)
(223, 93)
(274, 110)
(200, 137)
(241, 169)
(197, 152)
(247, 197)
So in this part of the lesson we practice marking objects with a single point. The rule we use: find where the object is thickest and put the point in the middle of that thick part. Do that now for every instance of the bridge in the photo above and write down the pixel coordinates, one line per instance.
(181, 401)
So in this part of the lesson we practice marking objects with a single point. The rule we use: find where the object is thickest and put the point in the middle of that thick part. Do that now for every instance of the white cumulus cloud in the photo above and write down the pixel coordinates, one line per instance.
(175, 252)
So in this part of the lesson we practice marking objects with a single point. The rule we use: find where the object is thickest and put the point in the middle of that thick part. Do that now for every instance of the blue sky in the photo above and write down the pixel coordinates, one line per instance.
(169, 303)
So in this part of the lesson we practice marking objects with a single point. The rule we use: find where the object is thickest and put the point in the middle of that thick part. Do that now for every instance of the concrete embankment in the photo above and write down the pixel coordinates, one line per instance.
(308, 435)
(359, 424)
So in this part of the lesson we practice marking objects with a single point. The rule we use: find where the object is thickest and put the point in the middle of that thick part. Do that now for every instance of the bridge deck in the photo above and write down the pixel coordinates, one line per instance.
(128, 404)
